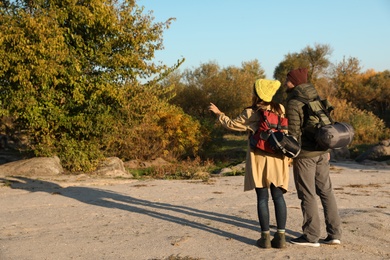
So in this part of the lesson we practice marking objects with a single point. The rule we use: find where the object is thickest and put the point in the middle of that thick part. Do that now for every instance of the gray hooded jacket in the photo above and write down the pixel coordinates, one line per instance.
(295, 114)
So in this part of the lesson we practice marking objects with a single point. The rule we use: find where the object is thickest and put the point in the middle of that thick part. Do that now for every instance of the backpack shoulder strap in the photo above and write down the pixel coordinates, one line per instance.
(303, 100)
(265, 119)
(319, 111)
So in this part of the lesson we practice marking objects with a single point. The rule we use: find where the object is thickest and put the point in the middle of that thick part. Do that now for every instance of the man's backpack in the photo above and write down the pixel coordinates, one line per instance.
(320, 127)
(270, 136)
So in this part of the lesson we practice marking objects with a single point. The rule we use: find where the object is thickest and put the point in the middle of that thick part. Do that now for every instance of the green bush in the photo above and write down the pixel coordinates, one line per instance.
(69, 72)
(77, 156)
(164, 131)
(369, 129)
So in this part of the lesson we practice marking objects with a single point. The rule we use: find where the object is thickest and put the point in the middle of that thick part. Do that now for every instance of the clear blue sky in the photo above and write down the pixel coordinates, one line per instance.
(230, 32)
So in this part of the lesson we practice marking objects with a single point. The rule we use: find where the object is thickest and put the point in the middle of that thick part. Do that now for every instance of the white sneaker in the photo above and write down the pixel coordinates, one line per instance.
(331, 241)
(303, 242)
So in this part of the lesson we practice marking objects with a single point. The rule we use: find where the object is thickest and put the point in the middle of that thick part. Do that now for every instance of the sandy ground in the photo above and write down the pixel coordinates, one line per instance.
(85, 218)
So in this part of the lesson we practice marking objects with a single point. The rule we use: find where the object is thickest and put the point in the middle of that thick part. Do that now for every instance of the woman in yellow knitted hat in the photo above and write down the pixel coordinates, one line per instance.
(265, 89)
(263, 170)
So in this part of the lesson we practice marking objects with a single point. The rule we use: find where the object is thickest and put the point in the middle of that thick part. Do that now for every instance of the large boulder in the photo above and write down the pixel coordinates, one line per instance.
(380, 151)
(37, 166)
(113, 167)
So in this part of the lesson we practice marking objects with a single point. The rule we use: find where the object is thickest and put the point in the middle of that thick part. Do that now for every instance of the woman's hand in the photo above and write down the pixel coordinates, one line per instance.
(214, 109)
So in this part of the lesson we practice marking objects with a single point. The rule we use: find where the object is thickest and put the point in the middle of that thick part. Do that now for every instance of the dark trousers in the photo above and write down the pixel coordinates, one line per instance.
(311, 177)
(263, 209)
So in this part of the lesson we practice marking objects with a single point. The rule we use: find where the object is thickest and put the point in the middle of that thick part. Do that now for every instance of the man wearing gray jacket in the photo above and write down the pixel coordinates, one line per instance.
(311, 168)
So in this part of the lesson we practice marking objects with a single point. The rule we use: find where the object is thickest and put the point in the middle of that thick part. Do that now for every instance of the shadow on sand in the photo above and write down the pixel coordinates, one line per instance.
(108, 199)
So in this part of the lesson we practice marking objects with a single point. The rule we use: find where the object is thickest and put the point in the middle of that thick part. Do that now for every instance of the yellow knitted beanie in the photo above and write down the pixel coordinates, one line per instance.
(266, 89)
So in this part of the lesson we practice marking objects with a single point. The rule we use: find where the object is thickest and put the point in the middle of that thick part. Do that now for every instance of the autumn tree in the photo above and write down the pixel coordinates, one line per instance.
(230, 88)
(71, 73)
(380, 103)
(345, 76)
(291, 61)
(315, 59)
(366, 90)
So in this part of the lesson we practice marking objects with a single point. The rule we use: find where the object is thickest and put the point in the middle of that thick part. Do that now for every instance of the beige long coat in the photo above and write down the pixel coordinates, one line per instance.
(261, 168)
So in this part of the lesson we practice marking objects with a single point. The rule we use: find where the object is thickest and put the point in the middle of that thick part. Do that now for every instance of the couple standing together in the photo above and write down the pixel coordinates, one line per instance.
(265, 171)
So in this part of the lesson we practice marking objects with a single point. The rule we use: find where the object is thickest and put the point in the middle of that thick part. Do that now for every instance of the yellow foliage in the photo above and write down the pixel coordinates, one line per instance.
(167, 132)
(364, 77)
(369, 129)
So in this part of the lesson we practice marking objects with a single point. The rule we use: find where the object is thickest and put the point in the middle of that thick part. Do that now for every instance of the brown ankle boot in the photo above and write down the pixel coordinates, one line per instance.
(264, 241)
(279, 240)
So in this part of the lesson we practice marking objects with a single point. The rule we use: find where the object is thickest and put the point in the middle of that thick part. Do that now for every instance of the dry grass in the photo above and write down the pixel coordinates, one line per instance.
(371, 185)
(178, 257)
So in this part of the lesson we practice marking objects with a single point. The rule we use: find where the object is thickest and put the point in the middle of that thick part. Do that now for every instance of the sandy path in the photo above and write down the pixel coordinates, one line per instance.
(155, 219)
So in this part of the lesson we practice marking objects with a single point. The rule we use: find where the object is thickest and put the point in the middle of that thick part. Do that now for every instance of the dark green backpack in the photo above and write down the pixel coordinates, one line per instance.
(319, 126)
(316, 115)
